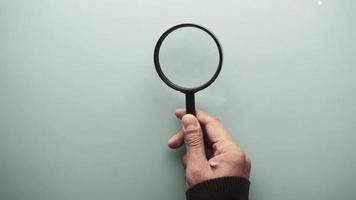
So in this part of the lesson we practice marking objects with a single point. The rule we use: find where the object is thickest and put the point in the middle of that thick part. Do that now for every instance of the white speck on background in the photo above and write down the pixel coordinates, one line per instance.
(320, 3)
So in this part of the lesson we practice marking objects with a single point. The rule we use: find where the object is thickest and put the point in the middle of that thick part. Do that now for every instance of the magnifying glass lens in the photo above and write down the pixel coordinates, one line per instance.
(189, 57)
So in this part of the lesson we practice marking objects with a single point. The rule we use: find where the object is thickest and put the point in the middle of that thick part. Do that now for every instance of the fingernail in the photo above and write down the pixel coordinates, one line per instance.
(190, 123)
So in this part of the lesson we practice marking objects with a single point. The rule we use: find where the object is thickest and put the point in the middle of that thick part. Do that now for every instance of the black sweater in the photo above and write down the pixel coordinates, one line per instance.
(225, 188)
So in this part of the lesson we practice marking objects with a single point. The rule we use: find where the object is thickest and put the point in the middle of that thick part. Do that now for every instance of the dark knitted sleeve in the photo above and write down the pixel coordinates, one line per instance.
(224, 188)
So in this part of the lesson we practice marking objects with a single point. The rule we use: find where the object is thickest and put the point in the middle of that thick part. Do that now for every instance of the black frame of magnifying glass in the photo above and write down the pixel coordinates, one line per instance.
(189, 92)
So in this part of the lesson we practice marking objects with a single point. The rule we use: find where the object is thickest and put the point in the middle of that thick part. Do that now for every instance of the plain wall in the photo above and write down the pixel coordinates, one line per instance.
(83, 114)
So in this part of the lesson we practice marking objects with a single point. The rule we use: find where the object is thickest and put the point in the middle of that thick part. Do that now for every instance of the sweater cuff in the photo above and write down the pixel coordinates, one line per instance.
(227, 188)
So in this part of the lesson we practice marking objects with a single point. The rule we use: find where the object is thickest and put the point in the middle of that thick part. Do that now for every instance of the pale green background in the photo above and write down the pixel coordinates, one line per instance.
(83, 114)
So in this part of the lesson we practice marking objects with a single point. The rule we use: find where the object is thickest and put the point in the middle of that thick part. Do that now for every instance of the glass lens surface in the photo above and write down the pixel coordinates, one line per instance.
(189, 57)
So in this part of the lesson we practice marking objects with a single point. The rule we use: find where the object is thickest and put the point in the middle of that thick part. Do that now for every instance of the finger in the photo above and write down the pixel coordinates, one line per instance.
(193, 138)
(176, 140)
(180, 112)
(214, 128)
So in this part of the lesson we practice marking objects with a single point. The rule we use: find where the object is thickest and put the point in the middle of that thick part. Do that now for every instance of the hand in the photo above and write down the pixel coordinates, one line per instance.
(218, 157)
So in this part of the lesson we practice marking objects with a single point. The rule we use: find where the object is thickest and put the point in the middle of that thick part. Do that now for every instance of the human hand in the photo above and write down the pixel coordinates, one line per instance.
(220, 157)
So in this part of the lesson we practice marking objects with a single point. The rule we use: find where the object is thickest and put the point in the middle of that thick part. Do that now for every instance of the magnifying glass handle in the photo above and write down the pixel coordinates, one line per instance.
(190, 103)
(190, 108)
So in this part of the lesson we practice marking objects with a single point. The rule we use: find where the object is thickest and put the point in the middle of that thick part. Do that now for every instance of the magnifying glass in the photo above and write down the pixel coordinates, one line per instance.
(188, 58)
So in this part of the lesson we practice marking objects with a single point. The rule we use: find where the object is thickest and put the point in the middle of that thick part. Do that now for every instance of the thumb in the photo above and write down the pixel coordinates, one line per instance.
(193, 138)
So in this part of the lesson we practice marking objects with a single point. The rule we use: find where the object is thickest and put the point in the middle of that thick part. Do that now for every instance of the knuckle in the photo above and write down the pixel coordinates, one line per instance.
(193, 140)
(211, 126)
